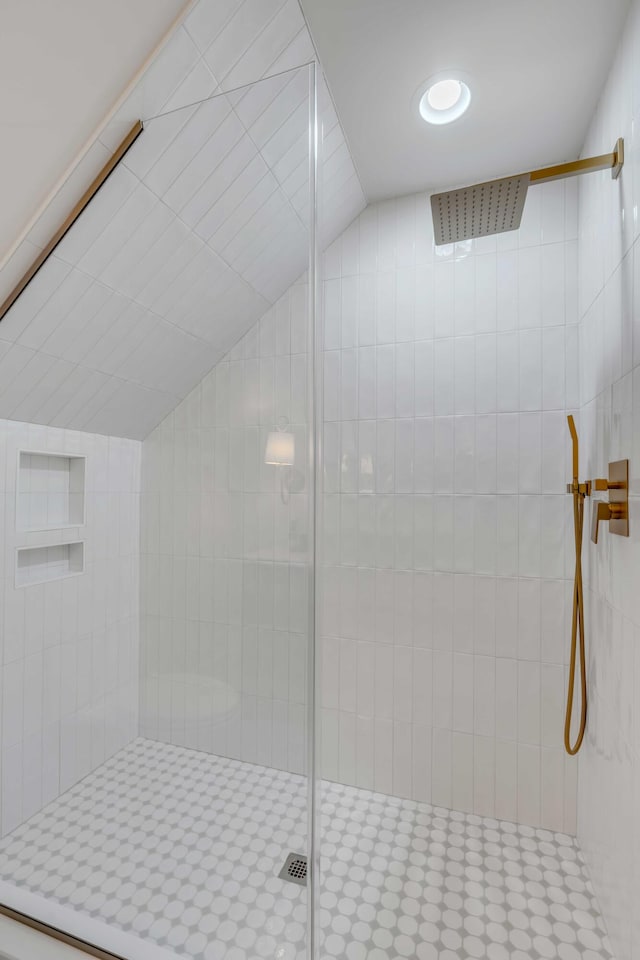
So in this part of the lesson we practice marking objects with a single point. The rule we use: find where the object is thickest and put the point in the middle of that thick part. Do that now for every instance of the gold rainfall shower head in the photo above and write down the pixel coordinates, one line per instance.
(496, 206)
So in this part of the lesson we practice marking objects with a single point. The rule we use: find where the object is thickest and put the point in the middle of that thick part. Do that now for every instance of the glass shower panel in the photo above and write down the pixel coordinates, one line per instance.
(180, 784)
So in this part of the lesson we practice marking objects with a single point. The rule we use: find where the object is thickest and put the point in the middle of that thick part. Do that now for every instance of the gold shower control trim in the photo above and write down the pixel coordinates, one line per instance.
(88, 195)
(615, 512)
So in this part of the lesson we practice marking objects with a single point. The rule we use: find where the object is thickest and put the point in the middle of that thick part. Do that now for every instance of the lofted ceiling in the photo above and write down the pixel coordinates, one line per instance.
(198, 231)
(204, 224)
(63, 65)
(535, 68)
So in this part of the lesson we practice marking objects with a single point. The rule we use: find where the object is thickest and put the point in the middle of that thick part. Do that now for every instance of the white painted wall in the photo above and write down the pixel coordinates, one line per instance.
(609, 258)
(69, 648)
(447, 376)
(59, 77)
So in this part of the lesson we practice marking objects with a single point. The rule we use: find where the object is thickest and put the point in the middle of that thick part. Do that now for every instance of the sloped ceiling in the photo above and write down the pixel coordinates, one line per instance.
(58, 78)
(199, 230)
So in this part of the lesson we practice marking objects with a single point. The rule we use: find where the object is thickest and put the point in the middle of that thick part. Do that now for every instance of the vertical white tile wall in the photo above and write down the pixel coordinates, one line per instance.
(224, 546)
(447, 376)
(446, 544)
(69, 648)
(609, 296)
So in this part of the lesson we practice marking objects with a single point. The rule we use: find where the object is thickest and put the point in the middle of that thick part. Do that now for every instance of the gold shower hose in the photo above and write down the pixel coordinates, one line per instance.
(577, 620)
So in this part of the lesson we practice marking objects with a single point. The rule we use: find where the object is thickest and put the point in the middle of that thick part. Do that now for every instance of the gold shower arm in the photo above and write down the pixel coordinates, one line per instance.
(606, 161)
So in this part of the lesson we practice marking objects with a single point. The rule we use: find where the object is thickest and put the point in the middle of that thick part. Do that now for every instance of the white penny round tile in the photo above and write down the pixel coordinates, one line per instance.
(182, 848)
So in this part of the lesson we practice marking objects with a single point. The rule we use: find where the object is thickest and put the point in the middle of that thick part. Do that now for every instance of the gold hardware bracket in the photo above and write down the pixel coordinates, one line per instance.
(605, 161)
(88, 195)
(619, 159)
(584, 489)
(616, 511)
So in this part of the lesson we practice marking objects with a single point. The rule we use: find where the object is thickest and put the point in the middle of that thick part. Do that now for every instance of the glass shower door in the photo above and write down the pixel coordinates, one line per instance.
(169, 834)
(228, 677)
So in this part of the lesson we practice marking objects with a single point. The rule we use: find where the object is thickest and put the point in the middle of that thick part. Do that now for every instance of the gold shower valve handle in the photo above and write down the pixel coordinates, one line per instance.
(607, 512)
(616, 511)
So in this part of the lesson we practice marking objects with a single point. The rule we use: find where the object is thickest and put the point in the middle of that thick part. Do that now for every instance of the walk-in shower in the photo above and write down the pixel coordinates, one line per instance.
(288, 561)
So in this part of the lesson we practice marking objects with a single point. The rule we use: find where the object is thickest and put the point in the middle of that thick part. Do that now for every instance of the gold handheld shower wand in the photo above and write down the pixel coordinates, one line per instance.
(579, 491)
(615, 512)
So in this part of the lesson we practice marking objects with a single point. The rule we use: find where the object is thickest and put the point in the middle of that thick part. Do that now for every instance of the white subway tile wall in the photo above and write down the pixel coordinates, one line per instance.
(609, 298)
(224, 550)
(448, 373)
(70, 646)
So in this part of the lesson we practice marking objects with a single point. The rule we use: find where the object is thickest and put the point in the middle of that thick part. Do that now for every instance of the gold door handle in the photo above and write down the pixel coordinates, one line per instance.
(606, 512)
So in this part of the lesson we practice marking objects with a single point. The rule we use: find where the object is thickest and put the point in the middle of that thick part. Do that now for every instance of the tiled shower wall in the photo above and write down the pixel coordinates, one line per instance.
(609, 297)
(446, 545)
(447, 376)
(69, 647)
(224, 544)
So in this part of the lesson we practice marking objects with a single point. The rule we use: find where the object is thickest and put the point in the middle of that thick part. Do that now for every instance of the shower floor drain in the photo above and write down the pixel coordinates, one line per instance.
(295, 869)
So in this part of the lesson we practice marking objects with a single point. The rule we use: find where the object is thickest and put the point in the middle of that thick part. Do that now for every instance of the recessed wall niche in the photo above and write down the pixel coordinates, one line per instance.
(40, 564)
(50, 491)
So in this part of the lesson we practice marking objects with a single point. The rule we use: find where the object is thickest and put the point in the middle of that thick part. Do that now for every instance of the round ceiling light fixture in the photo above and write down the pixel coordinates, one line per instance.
(443, 99)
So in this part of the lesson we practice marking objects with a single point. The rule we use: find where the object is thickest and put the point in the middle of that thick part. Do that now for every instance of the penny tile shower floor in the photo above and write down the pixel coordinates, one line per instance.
(183, 849)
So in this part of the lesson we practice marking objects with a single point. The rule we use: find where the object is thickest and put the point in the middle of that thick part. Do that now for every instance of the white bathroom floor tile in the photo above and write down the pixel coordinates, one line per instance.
(183, 849)
(405, 879)
(174, 846)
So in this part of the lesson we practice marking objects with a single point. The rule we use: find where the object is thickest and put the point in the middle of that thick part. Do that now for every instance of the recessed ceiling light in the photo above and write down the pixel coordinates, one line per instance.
(445, 99)
(444, 94)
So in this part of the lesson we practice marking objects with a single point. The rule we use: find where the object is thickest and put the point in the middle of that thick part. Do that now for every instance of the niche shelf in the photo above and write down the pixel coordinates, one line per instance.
(41, 564)
(50, 491)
